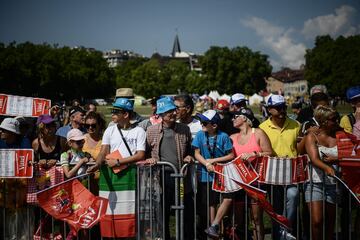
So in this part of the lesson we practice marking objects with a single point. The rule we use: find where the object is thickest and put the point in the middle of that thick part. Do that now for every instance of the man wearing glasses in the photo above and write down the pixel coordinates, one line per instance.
(184, 110)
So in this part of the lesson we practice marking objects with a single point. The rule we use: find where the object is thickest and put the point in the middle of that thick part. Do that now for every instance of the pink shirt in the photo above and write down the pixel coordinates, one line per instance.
(250, 146)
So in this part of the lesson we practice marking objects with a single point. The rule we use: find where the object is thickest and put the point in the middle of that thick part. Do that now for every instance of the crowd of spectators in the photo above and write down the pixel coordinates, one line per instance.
(80, 143)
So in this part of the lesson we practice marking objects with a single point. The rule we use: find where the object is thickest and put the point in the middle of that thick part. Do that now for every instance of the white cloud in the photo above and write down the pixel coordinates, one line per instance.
(336, 24)
(291, 54)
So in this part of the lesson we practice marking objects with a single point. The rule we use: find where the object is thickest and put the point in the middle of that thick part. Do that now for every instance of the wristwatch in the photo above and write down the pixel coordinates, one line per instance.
(117, 163)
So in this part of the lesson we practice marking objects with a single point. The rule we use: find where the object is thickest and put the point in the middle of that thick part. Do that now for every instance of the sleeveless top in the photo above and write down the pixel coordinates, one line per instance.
(317, 173)
(54, 154)
(250, 146)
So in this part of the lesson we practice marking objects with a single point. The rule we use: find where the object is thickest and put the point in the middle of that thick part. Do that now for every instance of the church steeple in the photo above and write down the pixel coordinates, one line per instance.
(176, 47)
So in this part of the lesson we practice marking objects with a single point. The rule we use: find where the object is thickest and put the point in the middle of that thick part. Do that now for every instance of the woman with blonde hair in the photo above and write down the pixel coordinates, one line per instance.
(321, 146)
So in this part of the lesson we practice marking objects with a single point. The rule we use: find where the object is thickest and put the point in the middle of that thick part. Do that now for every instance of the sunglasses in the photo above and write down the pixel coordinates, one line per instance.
(50, 125)
(180, 107)
(333, 119)
(235, 117)
(79, 142)
(205, 123)
(116, 111)
(279, 108)
(88, 126)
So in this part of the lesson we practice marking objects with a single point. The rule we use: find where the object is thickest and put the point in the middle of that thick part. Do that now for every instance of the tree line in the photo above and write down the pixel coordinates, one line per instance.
(64, 73)
(334, 63)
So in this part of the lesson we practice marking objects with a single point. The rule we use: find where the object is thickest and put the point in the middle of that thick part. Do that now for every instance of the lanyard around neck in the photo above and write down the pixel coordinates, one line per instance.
(213, 148)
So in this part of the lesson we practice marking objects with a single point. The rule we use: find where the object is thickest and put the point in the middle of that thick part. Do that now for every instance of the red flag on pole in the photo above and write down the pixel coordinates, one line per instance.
(349, 161)
(260, 196)
(71, 202)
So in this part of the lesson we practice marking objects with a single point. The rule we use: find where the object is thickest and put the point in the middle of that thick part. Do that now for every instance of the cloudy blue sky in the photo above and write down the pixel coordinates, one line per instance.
(282, 29)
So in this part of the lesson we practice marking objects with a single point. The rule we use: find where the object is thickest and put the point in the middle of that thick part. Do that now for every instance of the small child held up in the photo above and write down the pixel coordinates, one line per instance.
(74, 160)
(211, 146)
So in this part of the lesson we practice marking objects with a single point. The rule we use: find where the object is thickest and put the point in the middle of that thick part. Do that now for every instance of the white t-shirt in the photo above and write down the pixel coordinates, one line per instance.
(135, 138)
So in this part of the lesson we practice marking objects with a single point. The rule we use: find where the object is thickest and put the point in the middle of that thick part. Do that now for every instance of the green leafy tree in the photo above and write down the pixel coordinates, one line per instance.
(57, 73)
(147, 80)
(235, 70)
(334, 61)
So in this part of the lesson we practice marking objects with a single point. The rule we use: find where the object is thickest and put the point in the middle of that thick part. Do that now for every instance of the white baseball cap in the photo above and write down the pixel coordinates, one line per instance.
(237, 98)
(209, 116)
(11, 124)
(75, 135)
(276, 100)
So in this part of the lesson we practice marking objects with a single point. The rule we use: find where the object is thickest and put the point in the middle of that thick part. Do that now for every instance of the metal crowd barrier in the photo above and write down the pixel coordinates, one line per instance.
(178, 206)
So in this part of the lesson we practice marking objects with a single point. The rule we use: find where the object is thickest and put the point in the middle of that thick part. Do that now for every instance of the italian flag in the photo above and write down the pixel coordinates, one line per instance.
(119, 189)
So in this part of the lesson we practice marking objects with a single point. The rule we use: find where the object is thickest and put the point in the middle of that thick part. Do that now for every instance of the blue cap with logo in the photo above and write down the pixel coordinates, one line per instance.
(209, 116)
(276, 101)
(124, 103)
(164, 104)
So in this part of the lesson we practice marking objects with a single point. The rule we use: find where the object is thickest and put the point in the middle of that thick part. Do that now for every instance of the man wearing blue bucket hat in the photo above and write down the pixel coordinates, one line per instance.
(129, 141)
(126, 93)
(168, 141)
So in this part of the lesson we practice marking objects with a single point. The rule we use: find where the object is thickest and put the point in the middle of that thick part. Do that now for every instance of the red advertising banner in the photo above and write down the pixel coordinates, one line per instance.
(23, 106)
(71, 202)
(282, 171)
(260, 196)
(40, 106)
(15, 163)
(235, 169)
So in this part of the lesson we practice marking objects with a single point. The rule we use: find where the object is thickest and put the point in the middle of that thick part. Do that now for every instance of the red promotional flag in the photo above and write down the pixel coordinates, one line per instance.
(350, 169)
(40, 106)
(3, 103)
(71, 202)
(236, 170)
(349, 161)
(347, 144)
(260, 196)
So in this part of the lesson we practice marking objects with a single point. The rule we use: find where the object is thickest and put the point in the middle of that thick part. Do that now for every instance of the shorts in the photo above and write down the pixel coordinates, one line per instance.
(331, 195)
(214, 197)
(237, 196)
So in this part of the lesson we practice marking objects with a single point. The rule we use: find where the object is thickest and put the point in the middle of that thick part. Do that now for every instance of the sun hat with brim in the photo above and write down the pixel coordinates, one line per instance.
(125, 93)
(75, 135)
(276, 101)
(353, 92)
(123, 103)
(237, 98)
(209, 116)
(11, 125)
(45, 119)
(164, 104)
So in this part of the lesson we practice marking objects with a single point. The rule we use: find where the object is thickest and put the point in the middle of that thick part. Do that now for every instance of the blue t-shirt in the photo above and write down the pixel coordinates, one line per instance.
(63, 131)
(206, 144)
